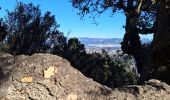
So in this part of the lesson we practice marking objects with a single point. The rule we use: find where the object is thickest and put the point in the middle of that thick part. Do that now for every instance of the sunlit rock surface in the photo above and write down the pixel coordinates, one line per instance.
(49, 77)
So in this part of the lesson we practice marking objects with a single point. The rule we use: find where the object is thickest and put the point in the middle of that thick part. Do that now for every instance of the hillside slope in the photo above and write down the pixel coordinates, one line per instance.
(49, 77)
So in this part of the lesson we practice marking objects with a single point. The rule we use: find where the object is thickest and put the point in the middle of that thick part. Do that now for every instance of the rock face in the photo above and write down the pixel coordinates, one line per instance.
(161, 44)
(49, 77)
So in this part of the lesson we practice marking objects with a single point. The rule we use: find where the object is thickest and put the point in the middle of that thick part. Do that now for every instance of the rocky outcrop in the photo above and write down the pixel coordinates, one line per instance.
(49, 77)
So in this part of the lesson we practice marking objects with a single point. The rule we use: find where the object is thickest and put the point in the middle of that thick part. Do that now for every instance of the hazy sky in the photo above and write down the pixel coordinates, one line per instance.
(66, 16)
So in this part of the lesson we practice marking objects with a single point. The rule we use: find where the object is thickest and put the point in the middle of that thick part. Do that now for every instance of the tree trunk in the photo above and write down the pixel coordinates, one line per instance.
(2, 32)
(131, 42)
(160, 54)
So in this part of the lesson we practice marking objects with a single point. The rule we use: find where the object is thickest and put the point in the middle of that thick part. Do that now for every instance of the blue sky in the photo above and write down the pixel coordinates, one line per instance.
(66, 16)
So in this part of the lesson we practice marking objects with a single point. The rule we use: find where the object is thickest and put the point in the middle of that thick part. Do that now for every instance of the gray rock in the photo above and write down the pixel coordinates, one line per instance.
(49, 77)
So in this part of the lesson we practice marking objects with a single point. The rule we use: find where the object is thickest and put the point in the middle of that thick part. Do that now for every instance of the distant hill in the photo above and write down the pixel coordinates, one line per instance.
(105, 42)
(100, 40)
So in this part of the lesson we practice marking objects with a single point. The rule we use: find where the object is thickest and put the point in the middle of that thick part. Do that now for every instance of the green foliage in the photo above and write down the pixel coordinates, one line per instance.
(28, 30)
(74, 50)
(112, 71)
(4, 47)
(2, 31)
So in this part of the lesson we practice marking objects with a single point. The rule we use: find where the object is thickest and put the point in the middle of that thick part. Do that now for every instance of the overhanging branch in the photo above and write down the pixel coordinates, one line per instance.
(138, 9)
(145, 31)
(121, 5)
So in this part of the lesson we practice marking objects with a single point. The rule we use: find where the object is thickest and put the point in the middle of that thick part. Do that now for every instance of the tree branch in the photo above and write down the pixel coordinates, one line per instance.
(130, 4)
(138, 9)
(121, 5)
(145, 31)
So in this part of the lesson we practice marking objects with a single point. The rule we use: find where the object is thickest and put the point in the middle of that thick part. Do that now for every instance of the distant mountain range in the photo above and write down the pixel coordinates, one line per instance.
(100, 40)
(105, 42)
(111, 45)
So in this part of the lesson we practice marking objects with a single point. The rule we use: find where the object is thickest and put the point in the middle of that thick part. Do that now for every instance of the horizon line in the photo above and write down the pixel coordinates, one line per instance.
(107, 37)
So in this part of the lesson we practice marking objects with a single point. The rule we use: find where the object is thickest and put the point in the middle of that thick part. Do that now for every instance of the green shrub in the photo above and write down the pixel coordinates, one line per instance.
(113, 71)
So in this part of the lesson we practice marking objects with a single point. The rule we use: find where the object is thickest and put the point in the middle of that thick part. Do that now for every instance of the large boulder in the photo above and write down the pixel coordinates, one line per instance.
(49, 77)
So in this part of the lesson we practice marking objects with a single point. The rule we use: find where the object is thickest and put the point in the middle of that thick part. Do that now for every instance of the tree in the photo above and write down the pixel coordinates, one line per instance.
(140, 19)
(28, 30)
(2, 31)
(57, 43)
(160, 57)
(73, 51)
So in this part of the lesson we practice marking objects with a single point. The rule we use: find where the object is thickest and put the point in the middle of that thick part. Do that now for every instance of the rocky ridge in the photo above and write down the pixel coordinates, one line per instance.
(50, 77)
